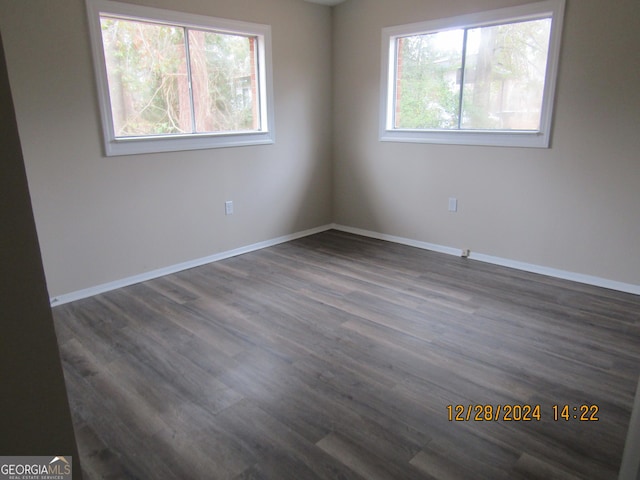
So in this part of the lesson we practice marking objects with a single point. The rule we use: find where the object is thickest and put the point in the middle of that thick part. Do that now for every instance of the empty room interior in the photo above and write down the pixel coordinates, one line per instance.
(354, 268)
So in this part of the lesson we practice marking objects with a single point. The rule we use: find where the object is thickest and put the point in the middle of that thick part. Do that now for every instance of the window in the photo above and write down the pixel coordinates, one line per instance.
(170, 81)
(480, 79)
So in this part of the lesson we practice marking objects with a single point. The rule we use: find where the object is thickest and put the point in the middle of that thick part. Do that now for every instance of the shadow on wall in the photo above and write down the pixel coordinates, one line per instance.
(33, 399)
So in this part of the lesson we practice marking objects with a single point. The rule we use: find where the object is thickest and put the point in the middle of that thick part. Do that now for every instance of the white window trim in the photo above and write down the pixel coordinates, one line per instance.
(538, 139)
(151, 144)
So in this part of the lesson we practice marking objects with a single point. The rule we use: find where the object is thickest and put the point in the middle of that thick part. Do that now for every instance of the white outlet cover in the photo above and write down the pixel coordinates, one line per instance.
(453, 204)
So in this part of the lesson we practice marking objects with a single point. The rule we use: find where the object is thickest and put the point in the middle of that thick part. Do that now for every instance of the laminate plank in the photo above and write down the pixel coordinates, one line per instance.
(155, 413)
(537, 469)
(357, 459)
(279, 449)
(470, 456)
(335, 356)
(98, 459)
(440, 466)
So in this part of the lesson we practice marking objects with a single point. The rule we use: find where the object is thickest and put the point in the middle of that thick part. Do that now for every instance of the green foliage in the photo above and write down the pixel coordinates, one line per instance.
(506, 67)
(149, 79)
(427, 90)
(228, 67)
(144, 62)
(503, 80)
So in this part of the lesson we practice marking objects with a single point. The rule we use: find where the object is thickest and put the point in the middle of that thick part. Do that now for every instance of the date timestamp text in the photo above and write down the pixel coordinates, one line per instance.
(520, 413)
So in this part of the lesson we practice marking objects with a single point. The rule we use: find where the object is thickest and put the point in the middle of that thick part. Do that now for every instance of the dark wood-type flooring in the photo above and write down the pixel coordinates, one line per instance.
(335, 357)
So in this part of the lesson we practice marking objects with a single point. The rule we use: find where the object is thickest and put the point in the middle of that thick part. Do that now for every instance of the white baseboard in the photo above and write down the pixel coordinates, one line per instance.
(527, 267)
(143, 277)
(552, 272)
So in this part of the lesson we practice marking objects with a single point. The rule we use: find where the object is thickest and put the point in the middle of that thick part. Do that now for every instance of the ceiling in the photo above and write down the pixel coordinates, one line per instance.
(326, 2)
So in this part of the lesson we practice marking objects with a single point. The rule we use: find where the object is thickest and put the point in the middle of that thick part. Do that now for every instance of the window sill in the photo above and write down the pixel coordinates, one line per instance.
(140, 145)
(526, 139)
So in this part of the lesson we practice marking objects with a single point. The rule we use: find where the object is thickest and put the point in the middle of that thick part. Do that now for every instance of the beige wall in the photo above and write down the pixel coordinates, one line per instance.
(574, 207)
(104, 219)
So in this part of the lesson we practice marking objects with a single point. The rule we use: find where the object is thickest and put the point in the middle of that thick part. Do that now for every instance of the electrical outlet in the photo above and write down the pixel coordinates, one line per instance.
(228, 207)
(453, 204)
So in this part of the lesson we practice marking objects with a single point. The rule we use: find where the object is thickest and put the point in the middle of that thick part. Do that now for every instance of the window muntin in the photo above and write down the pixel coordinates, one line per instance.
(169, 81)
(483, 79)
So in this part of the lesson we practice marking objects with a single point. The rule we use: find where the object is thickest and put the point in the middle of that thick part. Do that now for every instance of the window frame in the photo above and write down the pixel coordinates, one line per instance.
(114, 145)
(508, 138)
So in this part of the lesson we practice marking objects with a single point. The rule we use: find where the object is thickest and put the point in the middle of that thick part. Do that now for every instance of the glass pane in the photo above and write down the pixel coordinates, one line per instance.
(427, 80)
(504, 76)
(147, 74)
(223, 69)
